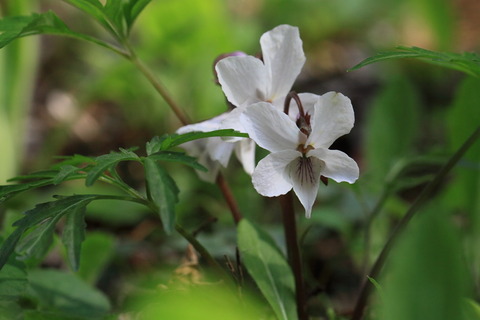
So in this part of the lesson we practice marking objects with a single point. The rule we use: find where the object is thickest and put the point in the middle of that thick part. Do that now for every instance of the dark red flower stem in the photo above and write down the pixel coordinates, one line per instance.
(293, 252)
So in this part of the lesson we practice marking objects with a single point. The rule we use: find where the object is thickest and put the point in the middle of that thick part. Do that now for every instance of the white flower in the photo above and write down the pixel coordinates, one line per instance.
(299, 156)
(246, 79)
(213, 152)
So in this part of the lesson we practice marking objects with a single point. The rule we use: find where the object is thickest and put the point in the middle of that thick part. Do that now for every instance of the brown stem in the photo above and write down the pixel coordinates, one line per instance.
(426, 192)
(228, 195)
(293, 252)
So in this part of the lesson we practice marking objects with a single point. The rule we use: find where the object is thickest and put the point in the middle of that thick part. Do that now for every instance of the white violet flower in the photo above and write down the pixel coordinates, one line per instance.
(215, 152)
(246, 79)
(299, 150)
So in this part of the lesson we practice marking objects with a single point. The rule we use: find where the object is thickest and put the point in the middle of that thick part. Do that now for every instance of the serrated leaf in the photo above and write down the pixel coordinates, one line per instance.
(37, 243)
(178, 139)
(96, 10)
(64, 292)
(44, 212)
(132, 9)
(16, 27)
(268, 268)
(466, 62)
(64, 173)
(178, 157)
(114, 11)
(8, 191)
(8, 246)
(163, 191)
(12, 28)
(13, 279)
(74, 234)
(155, 144)
(107, 162)
(76, 160)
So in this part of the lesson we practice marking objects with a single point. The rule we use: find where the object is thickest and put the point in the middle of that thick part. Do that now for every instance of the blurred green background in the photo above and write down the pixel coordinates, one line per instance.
(60, 96)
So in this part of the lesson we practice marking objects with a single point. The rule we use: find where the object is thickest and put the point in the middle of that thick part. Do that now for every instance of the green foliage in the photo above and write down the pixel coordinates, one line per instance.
(268, 268)
(43, 217)
(40, 222)
(427, 278)
(117, 17)
(391, 126)
(74, 234)
(107, 162)
(468, 62)
(163, 192)
(64, 294)
(97, 252)
(13, 280)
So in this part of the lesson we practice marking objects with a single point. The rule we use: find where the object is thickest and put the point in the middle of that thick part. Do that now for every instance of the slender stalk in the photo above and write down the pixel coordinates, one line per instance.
(421, 199)
(181, 115)
(228, 195)
(160, 88)
(293, 252)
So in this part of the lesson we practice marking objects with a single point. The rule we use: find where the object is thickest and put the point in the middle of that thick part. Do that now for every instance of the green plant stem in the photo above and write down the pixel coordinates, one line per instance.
(293, 252)
(182, 117)
(421, 199)
(160, 88)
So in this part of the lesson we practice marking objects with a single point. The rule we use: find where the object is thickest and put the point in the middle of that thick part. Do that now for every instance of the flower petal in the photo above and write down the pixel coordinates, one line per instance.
(305, 175)
(270, 128)
(284, 58)
(243, 79)
(332, 118)
(219, 150)
(270, 177)
(204, 126)
(245, 152)
(232, 121)
(338, 166)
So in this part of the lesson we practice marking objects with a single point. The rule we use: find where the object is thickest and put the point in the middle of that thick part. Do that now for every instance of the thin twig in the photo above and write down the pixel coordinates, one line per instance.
(426, 192)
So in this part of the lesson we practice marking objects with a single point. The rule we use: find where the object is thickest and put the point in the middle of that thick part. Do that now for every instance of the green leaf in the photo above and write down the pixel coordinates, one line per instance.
(114, 11)
(74, 234)
(64, 292)
(46, 23)
(96, 10)
(8, 246)
(8, 191)
(392, 126)
(13, 279)
(107, 162)
(37, 243)
(64, 173)
(427, 276)
(132, 9)
(98, 250)
(16, 27)
(471, 309)
(155, 145)
(268, 268)
(175, 140)
(48, 212)
(163, 191)
(178, 157)
(468, 63)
